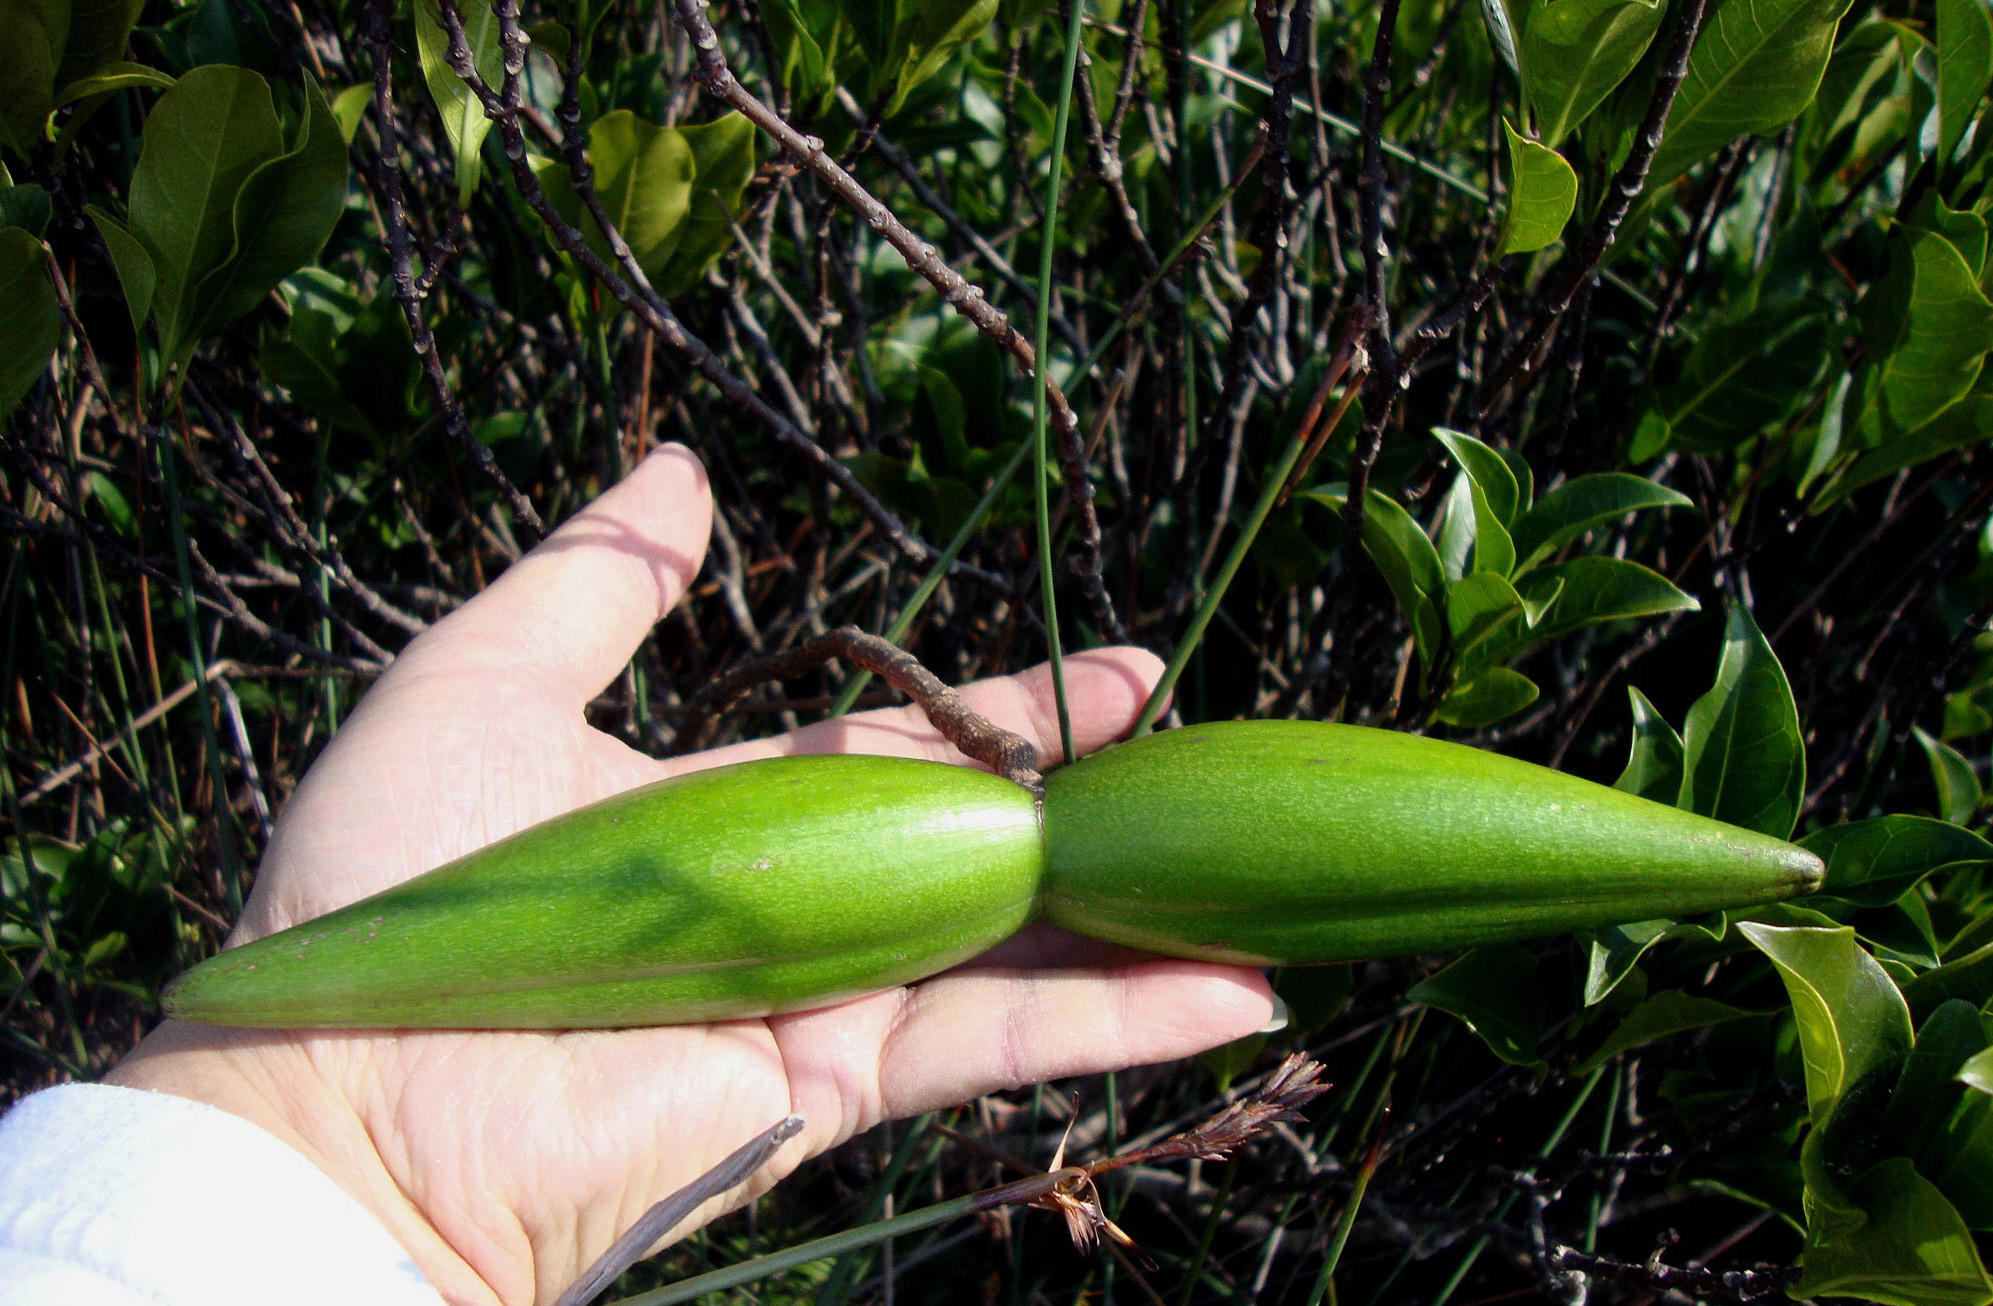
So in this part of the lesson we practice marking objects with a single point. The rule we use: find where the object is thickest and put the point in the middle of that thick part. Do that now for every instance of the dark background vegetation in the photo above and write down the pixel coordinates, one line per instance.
(1290, 241)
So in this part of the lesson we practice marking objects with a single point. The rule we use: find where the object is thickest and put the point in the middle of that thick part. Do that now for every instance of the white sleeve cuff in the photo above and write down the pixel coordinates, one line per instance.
(110, 1196)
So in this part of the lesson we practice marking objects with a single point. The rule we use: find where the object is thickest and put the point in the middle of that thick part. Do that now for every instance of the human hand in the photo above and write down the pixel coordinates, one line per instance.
(505, 1162)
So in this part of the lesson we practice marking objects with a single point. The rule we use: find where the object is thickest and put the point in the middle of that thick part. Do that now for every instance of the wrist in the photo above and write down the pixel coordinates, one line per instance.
(269, 1079)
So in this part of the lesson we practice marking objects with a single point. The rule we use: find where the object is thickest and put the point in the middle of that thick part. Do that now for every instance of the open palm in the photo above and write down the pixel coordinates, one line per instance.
(505, 1162)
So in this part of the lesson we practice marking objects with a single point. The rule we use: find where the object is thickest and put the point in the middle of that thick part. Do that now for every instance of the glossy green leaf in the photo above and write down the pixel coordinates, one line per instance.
(928, 34)
(114, 77)
(1543, 190)
(1668, 1012)
(1589, 590)
(1850, 1017)
(1926, 327)
(643, 177)
(1613, 952)
(31, 327)
(1928, 1092)
(283, 216)
(1488, 469)
(1912, 1249)
(1744, 758)
(465, 123)
(799, 56)
(98, 31)
(1756, 65)
(33, 35)
(1965, 66)
(136, 275)
(1406, 557)
(204, 139)
(1494, 989)
(1967, 422)
(1959, 789)
(1965, 1173)
(1745, 375)
(1977, 1072)
(1654, 764)
(1874, 862)
(722, 166)
(1583, 504)
(1502, 28)
(1477, 607)
(1574, 52)
(1489, 695)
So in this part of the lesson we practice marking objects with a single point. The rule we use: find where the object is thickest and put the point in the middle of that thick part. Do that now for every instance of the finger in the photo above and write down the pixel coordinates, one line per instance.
(566, 617)
(1105, 688)
(974, 1032)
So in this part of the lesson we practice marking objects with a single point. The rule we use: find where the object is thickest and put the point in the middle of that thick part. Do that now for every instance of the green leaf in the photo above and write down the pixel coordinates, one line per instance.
(1574, 52)
(1670, 1011)
(643, 176)
(1912, 1249)
(465, 123)
(33, 35)
(1493, 989)
(98, 31)
(1926, 328)
(31, 327)
(136, 274)
(1477, 607)
(799, 57)
(1964, 1172)
(203, 141)
(114, 77)
(1959, 790)
(27, 207)
(1654, 764)
(1589, 590)
(1502, 25)
(1965, 66)
(1491, 500)
(928, 34)
(1966, 422)
(1407, 558)
(1745, 375)
(1582, 504)
(1489, 695)
(1489, 470)
(1615, 950)
(1928, 1092)
(1744, 759)
(1850, 1017)
(1543, 190)
(283, 216)
(1872, 863)
(1756, 65)
(722, 166)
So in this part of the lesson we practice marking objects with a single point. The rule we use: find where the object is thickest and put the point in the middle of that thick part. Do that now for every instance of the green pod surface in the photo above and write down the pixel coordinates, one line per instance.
(740, 891)
(1273, 842)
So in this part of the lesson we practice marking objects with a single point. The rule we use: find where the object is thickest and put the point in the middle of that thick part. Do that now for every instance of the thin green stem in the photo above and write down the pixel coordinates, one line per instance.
(1040, 342)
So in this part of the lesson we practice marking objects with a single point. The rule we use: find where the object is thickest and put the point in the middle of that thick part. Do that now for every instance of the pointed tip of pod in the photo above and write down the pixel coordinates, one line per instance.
(1805, 870)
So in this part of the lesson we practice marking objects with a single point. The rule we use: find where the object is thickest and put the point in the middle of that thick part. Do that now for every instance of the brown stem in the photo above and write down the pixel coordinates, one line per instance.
(1010, 755)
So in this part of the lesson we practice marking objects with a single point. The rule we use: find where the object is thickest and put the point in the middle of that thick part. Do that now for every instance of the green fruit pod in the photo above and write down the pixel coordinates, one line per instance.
(1287, 842)
(741, 891)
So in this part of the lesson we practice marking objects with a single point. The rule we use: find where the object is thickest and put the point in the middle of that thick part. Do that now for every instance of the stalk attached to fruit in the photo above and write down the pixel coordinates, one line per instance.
(795, 882)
